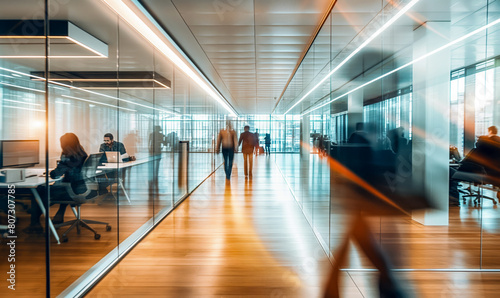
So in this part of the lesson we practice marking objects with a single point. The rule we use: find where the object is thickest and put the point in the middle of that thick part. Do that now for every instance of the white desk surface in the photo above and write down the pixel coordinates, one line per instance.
(122, 165)
(31, 182)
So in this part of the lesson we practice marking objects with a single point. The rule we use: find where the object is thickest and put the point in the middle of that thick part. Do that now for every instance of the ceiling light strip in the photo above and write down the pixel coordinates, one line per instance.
(51, 57)
(23, 108)
(111, 97)
(87, 47)
(409, 63)
(77, 88)
(21, 102)
(96, 102)
(364, 44)
(320, 25)
(21, 87)
(140, 26)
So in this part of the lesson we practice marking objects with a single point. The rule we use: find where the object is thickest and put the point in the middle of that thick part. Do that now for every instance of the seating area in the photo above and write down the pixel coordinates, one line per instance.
(89, 171)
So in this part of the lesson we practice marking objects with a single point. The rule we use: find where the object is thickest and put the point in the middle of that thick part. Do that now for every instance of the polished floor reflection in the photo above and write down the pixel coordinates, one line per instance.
(470, 241)
(243, 238)
(71, 259)
(249, 238)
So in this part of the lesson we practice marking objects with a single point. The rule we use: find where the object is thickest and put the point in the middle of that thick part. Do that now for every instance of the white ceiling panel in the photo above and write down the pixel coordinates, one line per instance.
(251, 41)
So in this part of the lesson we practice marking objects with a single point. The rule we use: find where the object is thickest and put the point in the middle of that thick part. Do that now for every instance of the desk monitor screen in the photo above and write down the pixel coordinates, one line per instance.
(113, 156)
(19, 153)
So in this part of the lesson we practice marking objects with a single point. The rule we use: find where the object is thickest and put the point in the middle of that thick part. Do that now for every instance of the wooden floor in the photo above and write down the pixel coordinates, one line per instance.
(243, 238)
(249, 238)
(68, 261)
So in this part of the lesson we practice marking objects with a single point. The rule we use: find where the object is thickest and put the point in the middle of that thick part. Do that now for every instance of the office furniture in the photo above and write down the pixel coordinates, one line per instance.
(32, 183)
(89, 170)
(108, 167)
(476, 175)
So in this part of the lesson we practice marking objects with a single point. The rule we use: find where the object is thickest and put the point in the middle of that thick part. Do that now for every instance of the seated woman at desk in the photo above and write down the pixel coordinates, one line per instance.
(72, 158)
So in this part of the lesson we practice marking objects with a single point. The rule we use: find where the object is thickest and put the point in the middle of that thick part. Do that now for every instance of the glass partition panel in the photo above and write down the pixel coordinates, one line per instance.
(22, 152)
(179, 132)
(135, 199)
(159, 145)
(200, 136)
(486, 94)
(81, 110)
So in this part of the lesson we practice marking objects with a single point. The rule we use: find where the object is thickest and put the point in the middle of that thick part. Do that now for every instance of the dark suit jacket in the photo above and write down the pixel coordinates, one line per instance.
(487, 154)
(248, 140)
(71, 168)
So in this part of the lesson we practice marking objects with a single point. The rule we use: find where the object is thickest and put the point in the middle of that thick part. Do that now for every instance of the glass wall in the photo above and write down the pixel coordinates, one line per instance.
(436, 70)
(107, 114)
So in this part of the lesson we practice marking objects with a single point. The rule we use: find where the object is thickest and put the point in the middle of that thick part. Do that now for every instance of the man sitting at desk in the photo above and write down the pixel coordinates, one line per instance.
(111, 145)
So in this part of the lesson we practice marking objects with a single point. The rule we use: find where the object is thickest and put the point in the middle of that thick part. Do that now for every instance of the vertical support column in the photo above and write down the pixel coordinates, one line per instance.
(354, 110)
(431, 123)
(496, 104)
(470, 112)
(305, 135)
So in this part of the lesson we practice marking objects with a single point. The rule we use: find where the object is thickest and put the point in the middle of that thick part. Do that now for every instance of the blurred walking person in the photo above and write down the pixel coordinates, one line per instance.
(257, 142)
(227, 138)
(268, 144)
(248, 140)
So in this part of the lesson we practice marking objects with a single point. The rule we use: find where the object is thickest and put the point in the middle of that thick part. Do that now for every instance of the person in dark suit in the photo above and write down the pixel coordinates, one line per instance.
(248, 140)
(156, 142)
(72, 158)
(360, 136)
(488, 153)
(268, 144)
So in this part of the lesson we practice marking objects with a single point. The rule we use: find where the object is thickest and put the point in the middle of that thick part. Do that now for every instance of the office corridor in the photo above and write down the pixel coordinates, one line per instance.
(244, 238)
(249, 238)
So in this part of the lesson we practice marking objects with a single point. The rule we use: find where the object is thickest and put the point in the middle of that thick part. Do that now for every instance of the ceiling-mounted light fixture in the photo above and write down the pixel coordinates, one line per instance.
(169, 50)
(364, 44)
(106, 79)
(38, 78)
(21, 39)
(451, 43)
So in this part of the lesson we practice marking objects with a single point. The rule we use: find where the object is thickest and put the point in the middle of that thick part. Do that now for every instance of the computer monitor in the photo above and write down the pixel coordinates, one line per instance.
(19, 153)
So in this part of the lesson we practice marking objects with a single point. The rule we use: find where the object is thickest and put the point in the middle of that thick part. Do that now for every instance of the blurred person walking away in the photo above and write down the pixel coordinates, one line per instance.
(257, 142)
(268, 144)
(227, 138)
(248, 140)
(156, 142)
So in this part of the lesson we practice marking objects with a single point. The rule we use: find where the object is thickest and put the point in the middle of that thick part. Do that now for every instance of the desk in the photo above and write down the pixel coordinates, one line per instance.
(121, 166)
(32, 183)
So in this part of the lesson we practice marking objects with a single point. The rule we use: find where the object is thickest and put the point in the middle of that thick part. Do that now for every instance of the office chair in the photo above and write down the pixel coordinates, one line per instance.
(89, 169)
(475, 175)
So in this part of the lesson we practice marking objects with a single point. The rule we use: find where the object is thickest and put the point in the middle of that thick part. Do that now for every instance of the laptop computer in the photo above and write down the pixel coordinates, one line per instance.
(113, 156)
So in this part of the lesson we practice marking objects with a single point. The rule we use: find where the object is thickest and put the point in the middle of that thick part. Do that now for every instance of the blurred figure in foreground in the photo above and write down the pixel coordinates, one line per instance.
(227, 138)
(359, 175)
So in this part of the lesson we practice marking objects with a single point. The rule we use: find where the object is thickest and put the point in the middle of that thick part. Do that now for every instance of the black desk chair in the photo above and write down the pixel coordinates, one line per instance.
(77, 200)
(476, 175)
